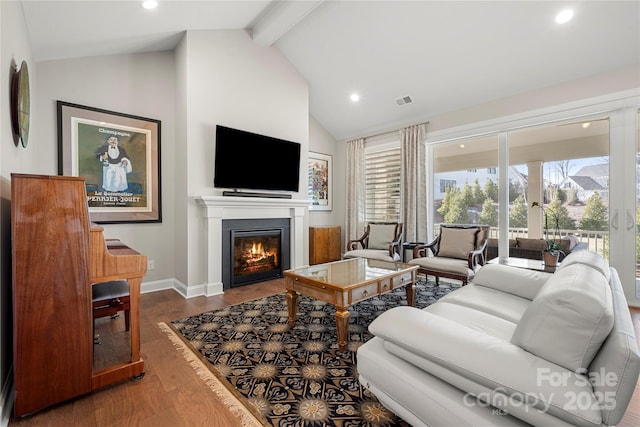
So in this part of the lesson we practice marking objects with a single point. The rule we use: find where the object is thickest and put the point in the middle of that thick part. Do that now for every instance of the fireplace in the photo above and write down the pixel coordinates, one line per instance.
(254, 250)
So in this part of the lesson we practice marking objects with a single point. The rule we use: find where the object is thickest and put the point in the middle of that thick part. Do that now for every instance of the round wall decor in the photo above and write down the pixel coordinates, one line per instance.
(20, 103)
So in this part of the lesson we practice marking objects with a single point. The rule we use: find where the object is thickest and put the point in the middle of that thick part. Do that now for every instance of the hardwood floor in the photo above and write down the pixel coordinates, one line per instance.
(171, 394)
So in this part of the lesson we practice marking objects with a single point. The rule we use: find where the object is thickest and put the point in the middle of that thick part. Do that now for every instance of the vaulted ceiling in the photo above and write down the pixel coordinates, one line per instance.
(444, 55)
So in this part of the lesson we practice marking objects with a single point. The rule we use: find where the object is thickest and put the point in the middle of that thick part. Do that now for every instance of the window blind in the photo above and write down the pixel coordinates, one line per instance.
(382, 185)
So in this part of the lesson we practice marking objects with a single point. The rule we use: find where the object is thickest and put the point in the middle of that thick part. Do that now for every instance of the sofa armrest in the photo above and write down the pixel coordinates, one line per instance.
(490, 368)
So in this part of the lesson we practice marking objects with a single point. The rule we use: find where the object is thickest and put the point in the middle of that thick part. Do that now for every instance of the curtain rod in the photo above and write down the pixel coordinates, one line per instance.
(387, 132)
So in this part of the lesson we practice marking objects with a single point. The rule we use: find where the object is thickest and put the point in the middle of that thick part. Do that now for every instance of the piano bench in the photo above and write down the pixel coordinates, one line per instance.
(109, 298)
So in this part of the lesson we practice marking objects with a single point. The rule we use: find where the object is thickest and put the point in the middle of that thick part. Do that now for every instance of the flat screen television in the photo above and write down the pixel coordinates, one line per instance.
(249, 161)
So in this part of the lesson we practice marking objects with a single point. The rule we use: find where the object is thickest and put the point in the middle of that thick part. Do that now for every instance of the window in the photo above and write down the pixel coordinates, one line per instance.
(464, 189)
(447, 184)
(382, 185)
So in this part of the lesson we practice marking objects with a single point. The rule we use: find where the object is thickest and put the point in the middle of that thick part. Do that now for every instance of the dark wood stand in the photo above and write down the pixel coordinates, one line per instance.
(57, 256)
(324, 244)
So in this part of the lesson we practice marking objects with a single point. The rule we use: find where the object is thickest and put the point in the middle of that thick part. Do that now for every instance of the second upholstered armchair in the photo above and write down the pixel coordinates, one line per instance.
(457, 252)
(381, 240)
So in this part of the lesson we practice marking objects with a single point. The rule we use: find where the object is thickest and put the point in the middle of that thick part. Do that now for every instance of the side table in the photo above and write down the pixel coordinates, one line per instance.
(529, 264)
(406, 246)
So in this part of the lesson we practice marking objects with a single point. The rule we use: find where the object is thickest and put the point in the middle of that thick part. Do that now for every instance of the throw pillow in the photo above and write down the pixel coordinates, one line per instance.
(564, 245)
(538, 244)
(381, 235)
(569, 319)
(457, 242)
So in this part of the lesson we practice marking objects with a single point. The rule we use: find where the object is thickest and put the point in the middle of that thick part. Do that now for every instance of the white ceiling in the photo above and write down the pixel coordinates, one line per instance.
(446, 55)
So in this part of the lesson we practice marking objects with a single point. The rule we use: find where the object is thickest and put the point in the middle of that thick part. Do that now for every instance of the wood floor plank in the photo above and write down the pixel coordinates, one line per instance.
(171, 393)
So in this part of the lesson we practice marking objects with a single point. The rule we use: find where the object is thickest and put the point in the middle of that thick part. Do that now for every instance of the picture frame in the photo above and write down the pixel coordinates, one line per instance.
(118, 155)
(320, 182)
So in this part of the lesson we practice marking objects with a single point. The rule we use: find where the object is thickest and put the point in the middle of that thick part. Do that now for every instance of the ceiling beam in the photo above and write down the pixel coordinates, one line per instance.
(280, 17)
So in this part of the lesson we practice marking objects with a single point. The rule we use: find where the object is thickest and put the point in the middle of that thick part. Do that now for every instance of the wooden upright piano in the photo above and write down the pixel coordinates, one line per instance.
(57, 255)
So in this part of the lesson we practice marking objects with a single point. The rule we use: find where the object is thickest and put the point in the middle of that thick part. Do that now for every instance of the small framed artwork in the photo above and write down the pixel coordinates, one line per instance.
(118, 155)
(320, 182)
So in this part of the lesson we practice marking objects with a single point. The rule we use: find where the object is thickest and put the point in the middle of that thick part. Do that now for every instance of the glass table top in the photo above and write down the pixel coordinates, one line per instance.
(350, 271)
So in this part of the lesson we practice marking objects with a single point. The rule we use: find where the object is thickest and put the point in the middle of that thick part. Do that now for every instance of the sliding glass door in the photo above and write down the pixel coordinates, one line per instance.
(584, 171)
(565, 168)
(465, 183)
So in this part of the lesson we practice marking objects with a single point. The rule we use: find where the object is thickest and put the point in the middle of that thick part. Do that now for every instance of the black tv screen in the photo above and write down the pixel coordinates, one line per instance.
(246, 160)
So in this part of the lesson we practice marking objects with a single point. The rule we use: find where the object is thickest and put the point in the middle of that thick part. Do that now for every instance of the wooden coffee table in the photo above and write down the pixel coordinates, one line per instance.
(344, 283)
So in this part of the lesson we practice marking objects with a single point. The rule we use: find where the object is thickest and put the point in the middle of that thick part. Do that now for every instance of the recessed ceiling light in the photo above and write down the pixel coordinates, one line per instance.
(586, 125)
(355, 97)
(461, 145)
(564, 16)
(149, 4)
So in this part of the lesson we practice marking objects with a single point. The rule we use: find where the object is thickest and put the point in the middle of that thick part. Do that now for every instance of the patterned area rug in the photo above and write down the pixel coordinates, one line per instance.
(290, 376)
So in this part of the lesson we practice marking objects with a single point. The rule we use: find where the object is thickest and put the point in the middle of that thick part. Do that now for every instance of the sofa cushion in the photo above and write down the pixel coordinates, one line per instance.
(380, 254)
(537, 244)
(569, 319)
(516, 281)
(589, 258)
(490, 301)
(494, 242)
(479, 320)
(381, 235)
(565, 244)
(573, 241)
(444, 265)
(457, 242)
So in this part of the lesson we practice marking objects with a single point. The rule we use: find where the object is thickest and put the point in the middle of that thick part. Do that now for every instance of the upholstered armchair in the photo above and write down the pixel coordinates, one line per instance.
(381, 240)
(457, 252)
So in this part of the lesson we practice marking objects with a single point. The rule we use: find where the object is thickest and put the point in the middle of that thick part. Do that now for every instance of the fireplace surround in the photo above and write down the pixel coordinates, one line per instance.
(217, 208)
(254, 250)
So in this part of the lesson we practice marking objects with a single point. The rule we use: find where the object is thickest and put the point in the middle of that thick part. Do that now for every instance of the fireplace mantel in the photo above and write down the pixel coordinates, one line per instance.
(217, 208)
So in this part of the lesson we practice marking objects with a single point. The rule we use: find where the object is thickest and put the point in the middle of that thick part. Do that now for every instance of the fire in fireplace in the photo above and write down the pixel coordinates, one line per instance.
(256, 254)
(254, 250)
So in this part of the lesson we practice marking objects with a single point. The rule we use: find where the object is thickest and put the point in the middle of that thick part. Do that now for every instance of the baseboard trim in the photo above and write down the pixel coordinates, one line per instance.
(205, 289)
(158, 285)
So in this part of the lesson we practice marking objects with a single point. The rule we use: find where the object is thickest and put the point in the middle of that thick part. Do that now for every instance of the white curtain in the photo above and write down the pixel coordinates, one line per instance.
(414, 197)
(355, 194)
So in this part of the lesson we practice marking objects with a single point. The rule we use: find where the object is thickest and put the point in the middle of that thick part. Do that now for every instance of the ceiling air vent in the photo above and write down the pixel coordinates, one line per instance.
(404, 100)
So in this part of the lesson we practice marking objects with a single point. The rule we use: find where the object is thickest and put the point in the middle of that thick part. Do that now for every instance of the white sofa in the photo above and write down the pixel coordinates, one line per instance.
(514, 347)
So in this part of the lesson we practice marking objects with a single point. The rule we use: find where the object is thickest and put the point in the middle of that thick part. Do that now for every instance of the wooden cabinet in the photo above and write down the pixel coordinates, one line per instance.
(324, 244)
(56, 256)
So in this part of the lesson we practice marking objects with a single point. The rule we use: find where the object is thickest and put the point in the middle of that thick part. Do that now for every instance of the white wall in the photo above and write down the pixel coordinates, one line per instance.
(585, 88)
(14, 48)
(181, 179)
(234, 82)
(141, 85)
(320, 141)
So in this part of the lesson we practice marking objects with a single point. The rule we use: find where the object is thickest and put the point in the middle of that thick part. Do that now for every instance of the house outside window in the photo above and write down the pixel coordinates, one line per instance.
(382, 185)
(447, 184)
